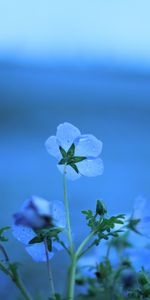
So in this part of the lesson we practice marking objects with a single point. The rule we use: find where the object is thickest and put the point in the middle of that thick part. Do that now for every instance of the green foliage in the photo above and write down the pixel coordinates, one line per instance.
(102, 226)
(132, 223)
(110, 283)
(2, 237)
(100, 208)
(142, 290)
(121, 242)
(48, 234)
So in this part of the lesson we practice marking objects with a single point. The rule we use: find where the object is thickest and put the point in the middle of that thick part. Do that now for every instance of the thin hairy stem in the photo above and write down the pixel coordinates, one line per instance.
(14, 276)
(67, 213)
(50, 275)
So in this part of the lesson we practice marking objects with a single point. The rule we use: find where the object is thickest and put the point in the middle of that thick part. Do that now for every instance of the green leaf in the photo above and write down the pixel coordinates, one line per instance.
(4, 229)
(2, 238)
(100, 208)
(4, 269)
(63, 161)
(37, 239)
(63, 152)
(88, 213)
(71, 151)
(74, 167)
(77, 159)
(49, 245)
(53, 232)
(13, 267)
(132, 225)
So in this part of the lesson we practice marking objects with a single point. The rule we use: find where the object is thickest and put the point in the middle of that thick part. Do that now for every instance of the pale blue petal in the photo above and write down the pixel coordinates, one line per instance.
(52, 147)
(142, 212)
(140, 204)
(70, 173)
(59, 214)
(66, 135)
(26, 204)
(88, 145)
(141, 207)
(90, 167)
(42, 206)
(37, 251)
(23, 234)
(144, 226)
(57, 247)
(64, 238)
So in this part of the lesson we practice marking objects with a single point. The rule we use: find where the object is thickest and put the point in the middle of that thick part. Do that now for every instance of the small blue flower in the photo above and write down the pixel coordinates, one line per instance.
(142, 212)
(38, 214)
(76, 154)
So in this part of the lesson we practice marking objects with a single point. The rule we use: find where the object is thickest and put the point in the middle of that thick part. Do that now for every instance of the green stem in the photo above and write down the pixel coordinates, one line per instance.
(72, 272)
(14, 277)
(74, 256)
(108, 250)
(50, 275)
(22, 289)
(67, 213)
(83, 244)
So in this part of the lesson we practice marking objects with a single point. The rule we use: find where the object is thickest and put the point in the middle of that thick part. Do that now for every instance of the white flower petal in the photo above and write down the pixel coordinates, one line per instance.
(141, 207)
(66, 135)
(42, 206)
(52, 147)
(90, 167)
(23, 234)
(57, 247)
(88, 145)
(70, 173)
(59, 214)
(37, 251)
(142, 212)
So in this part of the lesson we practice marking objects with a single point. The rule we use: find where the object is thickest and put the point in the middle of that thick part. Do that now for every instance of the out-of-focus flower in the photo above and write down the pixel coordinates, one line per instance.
(141, 212)
(36, 217)
(76, 154)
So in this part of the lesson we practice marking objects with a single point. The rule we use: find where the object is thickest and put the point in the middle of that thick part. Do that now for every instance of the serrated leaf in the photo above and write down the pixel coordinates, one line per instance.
(114, 234)
(121, 216)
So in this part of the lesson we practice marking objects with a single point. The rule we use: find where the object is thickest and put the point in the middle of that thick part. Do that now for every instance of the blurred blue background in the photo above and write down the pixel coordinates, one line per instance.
(87, 63)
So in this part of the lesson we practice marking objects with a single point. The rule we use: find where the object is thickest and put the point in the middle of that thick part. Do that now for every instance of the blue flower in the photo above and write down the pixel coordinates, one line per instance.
(35, 215)
(76, 154)
(141, 212)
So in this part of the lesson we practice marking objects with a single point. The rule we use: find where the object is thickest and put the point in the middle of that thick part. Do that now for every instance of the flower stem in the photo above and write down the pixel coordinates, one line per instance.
(13, 275)
(72, 271)
(22, 289)
(50, 275)
(83, 244)
(67, 213)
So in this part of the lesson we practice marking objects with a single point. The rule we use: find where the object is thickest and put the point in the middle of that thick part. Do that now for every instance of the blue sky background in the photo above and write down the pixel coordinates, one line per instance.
(118, 31)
